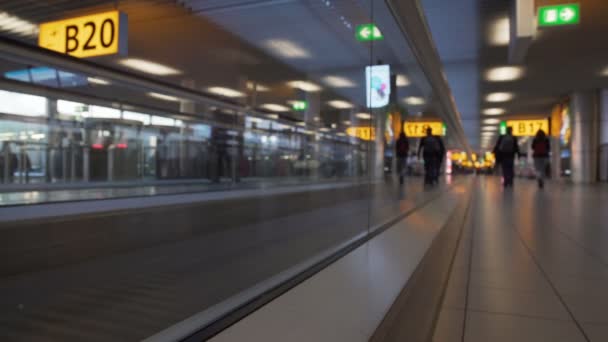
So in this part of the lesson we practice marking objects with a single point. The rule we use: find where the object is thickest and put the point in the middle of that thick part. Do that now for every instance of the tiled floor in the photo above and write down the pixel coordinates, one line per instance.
(532, 266)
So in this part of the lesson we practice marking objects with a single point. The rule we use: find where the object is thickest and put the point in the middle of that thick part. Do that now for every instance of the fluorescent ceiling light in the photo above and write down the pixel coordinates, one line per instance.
(499, 32)
(505, 73)
(363, 116)
(487, 134)
(324, 129)
(15, 25)
(149, 67)
(274, 107)
(340, 134)
(304, 85)
(499, 97)
(287, 48)
(273, 116)
(338, 82)
(347, 122)
(491, 121)
(339, 104)
(493, 111)
(402, 81)
(163, 97)
(414, 101)
(257, 86)
(96, 80)
(489, 128)
(227, 92)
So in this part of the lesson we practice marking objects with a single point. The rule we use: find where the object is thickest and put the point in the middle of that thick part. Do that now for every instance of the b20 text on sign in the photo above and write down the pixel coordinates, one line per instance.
(88, 36)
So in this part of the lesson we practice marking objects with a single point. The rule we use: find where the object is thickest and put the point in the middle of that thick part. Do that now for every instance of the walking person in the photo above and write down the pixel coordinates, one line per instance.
(541, 147)
(402, 148)
(432, 150)
(507, 147)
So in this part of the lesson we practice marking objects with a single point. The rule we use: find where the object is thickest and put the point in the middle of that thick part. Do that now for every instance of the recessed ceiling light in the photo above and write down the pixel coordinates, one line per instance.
(338, 82)
(163, 97)
(505, 73)
(414, 101)
(487, 134)
(304, 85)
(95, 80)
(489, 128)
(257, 86)
(339, 104)
(223, 91)
(363, 116)
(346, 122)
(13, 24)
(493, 111)
(491, 121)
(499, 97)
(402, 81)
(149, 67)
(287, 48)
(274, 107)
(499, 32)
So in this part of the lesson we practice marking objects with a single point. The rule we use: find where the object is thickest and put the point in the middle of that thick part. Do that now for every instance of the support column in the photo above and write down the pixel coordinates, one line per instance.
(584, 136)
(603, 134)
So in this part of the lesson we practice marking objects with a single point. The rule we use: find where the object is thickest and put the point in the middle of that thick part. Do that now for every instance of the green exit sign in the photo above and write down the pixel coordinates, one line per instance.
(368, 32)
(559, 15)
(300, 105)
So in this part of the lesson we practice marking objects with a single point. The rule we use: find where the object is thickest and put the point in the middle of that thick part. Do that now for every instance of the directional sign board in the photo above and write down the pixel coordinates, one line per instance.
(365, 133)
(568, 14)
(368, 32)
(88, 36)
(528, 128)
(417, 129)
(299, 105)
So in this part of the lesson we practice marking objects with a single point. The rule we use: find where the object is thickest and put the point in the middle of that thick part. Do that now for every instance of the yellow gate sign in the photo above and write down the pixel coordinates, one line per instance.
(88, 36)
(364, 133)
(528, 128)
(417, 129)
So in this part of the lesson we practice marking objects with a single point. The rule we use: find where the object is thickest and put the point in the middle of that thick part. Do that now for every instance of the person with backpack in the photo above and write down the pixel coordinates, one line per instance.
(432, 149)
(541, 148)
(402, 148)
(507, 147)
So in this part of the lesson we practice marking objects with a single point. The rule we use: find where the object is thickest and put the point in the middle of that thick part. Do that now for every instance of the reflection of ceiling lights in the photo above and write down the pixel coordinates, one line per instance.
(505, 73)
(491, 121)
(489, 128)
(493, 111)
(272, 116)
(498, 34)
(402, 81)
(257, 86)
(287, 49)
(163, 97)
(339, 104)
(304, 85)
(499, 97)
(346, 122)
(95, 80)
(340, 134)
(227, 92)
(13, 24)
(487, 134)
(338, 82)
(363, 116)
(149, 67)
(274, 107)
(414, 101)
(324, 129)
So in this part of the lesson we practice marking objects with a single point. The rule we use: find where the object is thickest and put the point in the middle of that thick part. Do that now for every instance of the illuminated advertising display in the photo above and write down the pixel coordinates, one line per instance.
(378, 81)
(88, 36)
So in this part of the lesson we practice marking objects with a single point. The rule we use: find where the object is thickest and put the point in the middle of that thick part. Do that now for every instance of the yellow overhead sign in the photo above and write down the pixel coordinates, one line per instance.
(417, 129)
(88, 36)
(364, 133)
(528, 128)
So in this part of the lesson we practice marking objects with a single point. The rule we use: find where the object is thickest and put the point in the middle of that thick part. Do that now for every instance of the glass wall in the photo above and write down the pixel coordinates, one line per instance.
(279, 118)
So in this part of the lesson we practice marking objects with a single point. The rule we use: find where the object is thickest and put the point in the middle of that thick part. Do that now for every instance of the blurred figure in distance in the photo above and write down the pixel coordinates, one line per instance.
(432, 149)
(402, 148)
(507, 147)
(541, 147)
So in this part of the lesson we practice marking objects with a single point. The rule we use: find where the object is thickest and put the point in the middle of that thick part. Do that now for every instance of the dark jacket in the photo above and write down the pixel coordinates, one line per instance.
(402, 152)
(427, 153)
(501, 155)
(541, 147)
